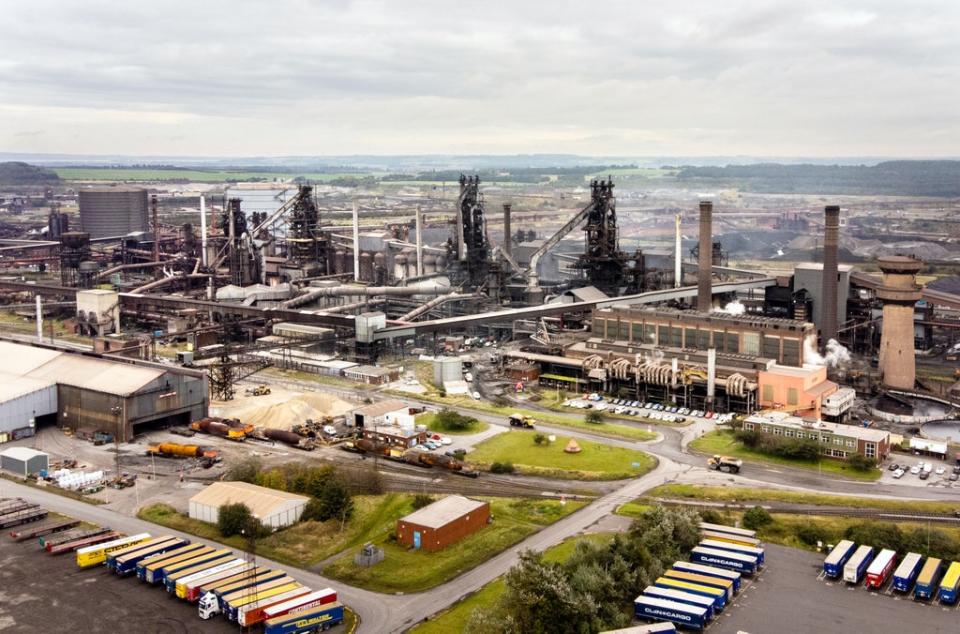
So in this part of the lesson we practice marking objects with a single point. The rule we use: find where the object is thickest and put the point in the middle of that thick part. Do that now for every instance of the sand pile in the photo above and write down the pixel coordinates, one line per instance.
(291, 411)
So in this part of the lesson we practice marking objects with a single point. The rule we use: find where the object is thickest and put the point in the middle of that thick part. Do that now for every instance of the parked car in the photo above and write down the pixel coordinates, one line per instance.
(924, 475)
(954, 477)
(941, 470)
(894, 467)
(915, 469)
(898, 473)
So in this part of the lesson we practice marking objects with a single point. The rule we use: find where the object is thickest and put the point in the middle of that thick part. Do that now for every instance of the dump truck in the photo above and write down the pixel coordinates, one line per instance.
(322, 617)
(725, 463)
(260, 390)
(519, 420)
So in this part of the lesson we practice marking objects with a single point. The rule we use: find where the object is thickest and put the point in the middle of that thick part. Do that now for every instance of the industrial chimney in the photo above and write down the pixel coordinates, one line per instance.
(506, 228)
(831, 235)
(705, 260)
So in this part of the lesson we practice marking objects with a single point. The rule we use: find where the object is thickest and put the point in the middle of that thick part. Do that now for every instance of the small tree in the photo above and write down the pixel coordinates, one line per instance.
(449, 420)
(756, 518)
(539, 439)
(595, 417)
(335, 501)
(501, 467)
(246, 470)
(234, 519)
(861, 463)
(421, 500)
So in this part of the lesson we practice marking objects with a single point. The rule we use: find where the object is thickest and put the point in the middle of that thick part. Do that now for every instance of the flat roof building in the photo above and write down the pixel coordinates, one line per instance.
(23, 461)
(835, 440)
(273, 508)
(446, 521)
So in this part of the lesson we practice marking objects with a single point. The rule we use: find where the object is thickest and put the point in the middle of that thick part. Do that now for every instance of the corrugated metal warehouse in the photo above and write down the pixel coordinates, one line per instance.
(273, 508)
(93, 394)
(22, 401)
(23, 460)
(442, 523)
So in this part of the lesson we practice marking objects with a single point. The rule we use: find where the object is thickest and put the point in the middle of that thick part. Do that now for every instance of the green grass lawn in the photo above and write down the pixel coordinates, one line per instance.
(430, 420)
(454, 618)
(723, 442)
(596, 461)
(408, 570)
(745, 494)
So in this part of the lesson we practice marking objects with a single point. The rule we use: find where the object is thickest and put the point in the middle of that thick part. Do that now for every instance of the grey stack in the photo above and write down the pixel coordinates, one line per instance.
(831, 237)
(113, 211)
(705, 258)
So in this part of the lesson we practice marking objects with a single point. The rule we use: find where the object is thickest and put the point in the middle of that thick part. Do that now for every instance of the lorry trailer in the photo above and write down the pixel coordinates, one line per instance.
(25, 516)
(49, 541)
(260, 596)
(729, 530)
(682, 597)
(194, 589)
(880, 568)
(171, 572)
(710, 571)
(733, 539)
(67, 547)
(95, 555)
(737, 548)
(704, 580)
(226, 569)
(243, 581)
(126, 563)
(111, 559)
(717, 595)
(928, 578)
(841, 553)
(652, 628)
(949, 585)
(149, 566)
(252, 613)
(24, 534)
(245, 573)
(857, 564)
(220, 557)
(906, 572)
(322, 617)
(744, 564)
(305, 602)
(657, 609)
(213, 603)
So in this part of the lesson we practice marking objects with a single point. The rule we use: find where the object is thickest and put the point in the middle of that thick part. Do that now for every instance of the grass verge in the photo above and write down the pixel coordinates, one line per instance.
(723, 442)
(596, 461)
(407, 570)
(430, 420)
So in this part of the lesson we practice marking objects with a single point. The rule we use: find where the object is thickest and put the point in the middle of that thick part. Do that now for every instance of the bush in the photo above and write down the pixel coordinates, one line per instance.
(246, 470)
(421, 500)
(459, 454)
(593, 416)
(861, 463)
(236, 519)
(539, 439)
(449, 420)
(756, 518)
(810, 534)
(748, 437)
(501, 467)
(335, 501)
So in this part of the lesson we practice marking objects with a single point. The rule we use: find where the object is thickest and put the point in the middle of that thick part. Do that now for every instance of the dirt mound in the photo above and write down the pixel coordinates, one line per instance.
(288, 412)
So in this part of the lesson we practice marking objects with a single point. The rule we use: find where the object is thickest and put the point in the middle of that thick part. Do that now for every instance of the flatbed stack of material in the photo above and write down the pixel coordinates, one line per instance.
(322, 617)
(49, 541)
(927, 579)
(906, 572)
(71, 546)
(646, 607)
(32, 532)
(23, 515)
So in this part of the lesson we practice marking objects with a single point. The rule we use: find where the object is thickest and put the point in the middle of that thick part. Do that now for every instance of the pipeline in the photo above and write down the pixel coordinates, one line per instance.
(169, 280)
(363, 291)
(124, 267)
(437, 301)
(343, 308)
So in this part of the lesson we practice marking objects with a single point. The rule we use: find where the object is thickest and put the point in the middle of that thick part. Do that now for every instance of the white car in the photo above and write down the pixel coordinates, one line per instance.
(446, 440)
(476, 396)
(915, 469)
(600, 406)
(330, 430)
(941, 470)
(898, 473)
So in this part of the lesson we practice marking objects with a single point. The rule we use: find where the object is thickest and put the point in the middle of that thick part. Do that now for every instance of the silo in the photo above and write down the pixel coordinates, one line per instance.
(113, 211)
(338, 256)
(399, 267)
(366, 266)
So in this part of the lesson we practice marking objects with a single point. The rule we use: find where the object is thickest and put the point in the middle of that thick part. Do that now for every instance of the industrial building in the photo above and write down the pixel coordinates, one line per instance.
(445, 522)
(90, 394)
(273, 508)
(113, 211)
(836, 441)
(23, 461)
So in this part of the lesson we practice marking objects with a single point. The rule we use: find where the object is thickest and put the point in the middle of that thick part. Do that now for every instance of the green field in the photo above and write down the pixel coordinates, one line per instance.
(596, 461)
(430, 420)
(723, 442)
(455, 617)
(195, 175)
(408, 570)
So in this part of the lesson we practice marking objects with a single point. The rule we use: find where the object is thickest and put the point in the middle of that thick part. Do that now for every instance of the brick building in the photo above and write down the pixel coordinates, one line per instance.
(835, 440)
(442, 523)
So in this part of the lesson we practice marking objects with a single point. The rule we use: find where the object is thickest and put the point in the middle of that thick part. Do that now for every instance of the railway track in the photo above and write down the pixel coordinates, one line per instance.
(895, 516)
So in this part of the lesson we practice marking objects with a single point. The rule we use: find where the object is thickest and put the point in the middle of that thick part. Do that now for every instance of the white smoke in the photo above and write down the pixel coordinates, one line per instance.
(835, 355)
(732, 308)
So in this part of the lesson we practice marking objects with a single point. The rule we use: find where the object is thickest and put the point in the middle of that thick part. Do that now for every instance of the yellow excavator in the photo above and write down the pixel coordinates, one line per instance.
(725, 463)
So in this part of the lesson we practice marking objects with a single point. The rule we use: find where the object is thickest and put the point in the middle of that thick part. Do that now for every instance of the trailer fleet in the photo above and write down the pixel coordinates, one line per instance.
(880, 568)
(711, 571)
(838, 557)
(317, 618)
(744, 564)
(857, 565)
(665, 610)
(928, 578)
(906, 572)
(95, 555)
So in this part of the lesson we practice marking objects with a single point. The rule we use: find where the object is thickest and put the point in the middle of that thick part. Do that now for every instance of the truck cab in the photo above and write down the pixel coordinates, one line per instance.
(725, 463)
(209, 606)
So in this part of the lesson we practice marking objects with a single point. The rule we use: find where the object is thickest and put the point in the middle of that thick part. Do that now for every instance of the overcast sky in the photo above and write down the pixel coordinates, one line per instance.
(637, 78)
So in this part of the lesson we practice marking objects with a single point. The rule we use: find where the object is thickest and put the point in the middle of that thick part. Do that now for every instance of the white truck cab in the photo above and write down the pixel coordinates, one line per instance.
(209, 606)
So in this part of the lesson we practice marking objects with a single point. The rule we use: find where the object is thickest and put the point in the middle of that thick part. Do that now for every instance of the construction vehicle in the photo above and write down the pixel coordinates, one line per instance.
(725, 463)
(260, 390)
(519, 420)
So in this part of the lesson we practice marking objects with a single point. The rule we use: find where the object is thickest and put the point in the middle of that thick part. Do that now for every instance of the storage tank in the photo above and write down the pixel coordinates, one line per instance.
(113, 211)
(366, 266)
(399, 267)
(338, 261)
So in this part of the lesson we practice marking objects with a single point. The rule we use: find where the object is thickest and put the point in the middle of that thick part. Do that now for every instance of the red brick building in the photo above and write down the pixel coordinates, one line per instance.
(442, 523)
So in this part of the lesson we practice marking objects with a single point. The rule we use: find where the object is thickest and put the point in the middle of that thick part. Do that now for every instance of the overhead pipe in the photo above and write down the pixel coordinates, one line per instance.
(437, 301)
(363, 291)
(343, 308)
(126, 267)
(169, 280)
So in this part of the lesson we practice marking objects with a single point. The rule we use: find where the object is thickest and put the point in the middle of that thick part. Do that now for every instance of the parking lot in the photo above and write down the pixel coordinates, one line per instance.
(940, 473)
(646, 410)
(791, 598)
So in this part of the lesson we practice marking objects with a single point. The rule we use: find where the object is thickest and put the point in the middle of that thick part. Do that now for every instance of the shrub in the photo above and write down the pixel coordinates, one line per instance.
(756, 518)
(459, 454)
(501, 467)
(810, 534)
(421, 500)
(449, 420)
(246, 470)
(539, 439)
(748, 437)
(861, 463)
(234, 519)
(593, 416)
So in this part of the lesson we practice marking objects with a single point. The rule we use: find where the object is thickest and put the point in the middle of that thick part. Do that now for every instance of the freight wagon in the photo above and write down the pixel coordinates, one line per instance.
(717, 595)
(97, 554)
(880, 568)
(710, 571)
(928, 578)
(44, 529)
(319, 618)
(147, 568)
(659, 610)
(704, 580)
(225, 569)
(252, 613)
(126, 563)
(733, 539)
(681, 596)
(949, 585)
(838, 557)
(906, 572)
(857, 565)
(744, 564)
(205, 563)
(736, 548)
(300, 604)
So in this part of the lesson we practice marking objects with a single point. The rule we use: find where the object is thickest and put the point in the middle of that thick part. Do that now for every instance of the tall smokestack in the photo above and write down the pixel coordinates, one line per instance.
(677, 262)
(506, 228)
(203, 229)
(39, 319)
(831, 236)
(419, 240)
(356, 242)
(705, 261)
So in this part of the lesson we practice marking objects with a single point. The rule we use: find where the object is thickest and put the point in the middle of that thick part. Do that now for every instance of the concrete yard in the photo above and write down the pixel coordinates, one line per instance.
(789, 598)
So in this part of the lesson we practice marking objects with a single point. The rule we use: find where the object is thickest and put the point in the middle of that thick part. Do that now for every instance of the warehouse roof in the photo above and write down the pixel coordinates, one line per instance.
(19, 359)
(444, 511)
(13, 386)
(261, 501)
(381, 408)
(92, 374)
(21, 453)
